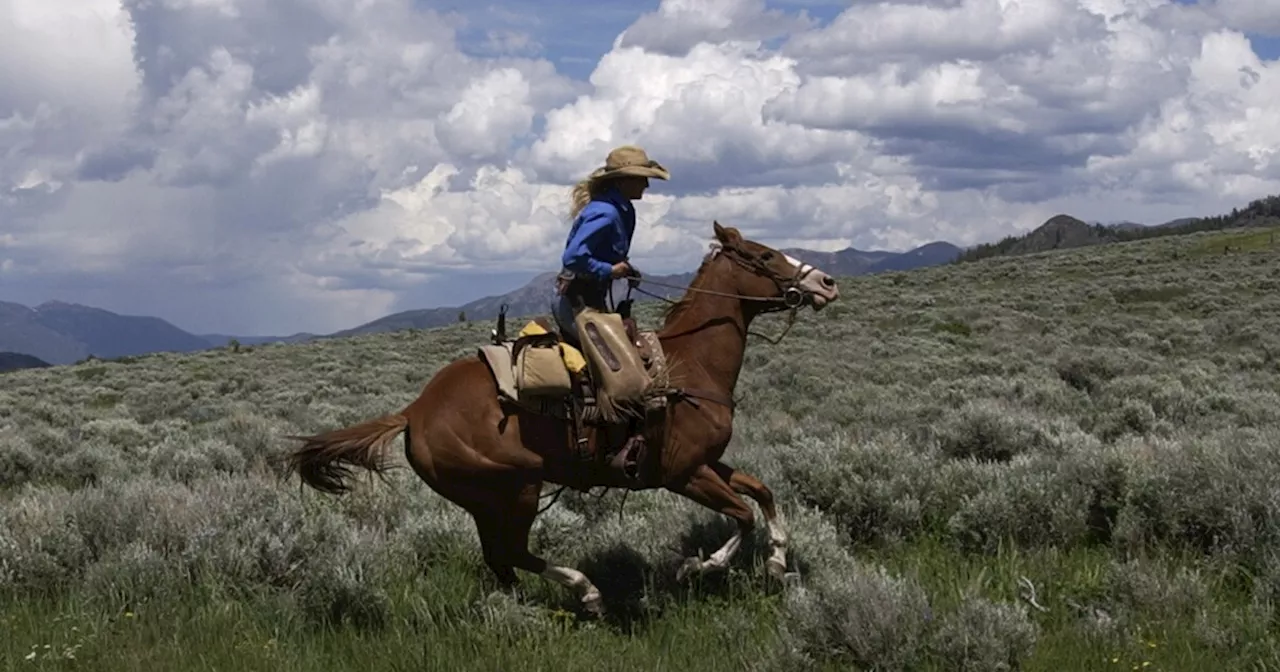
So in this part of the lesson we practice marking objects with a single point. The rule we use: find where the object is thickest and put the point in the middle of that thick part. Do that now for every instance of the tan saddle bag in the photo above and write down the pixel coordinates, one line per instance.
(540, 368)
(619, 373)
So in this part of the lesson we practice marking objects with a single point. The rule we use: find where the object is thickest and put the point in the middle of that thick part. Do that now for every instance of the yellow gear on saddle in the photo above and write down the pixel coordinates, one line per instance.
(573, 358)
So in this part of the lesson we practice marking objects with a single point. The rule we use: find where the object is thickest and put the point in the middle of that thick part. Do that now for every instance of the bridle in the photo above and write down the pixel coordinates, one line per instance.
(792, 297)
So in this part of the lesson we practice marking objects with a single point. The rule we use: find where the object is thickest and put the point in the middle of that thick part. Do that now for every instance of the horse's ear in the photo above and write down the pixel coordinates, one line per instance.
(727, 236)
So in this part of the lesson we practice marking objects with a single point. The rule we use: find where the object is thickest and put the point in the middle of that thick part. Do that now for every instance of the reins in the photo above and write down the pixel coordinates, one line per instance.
(791, 316)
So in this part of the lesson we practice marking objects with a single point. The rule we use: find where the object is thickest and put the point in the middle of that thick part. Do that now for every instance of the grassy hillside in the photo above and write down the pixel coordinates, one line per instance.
(1099, 424)
(1064, 231)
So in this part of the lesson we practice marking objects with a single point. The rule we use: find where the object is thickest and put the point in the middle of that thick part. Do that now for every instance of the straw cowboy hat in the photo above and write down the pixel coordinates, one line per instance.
(629, 160)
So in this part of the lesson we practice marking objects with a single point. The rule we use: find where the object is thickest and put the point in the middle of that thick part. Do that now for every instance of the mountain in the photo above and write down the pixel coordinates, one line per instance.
(536, 296)
(1062, 231)
(21, 331)
(108, 335)
(851, 261)
(533, 298)
(933, 254)
(1057, 233)
(63, 333)
(13, 361)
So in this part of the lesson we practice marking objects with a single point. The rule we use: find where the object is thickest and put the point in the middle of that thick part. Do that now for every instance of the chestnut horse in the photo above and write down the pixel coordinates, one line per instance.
(462, 442)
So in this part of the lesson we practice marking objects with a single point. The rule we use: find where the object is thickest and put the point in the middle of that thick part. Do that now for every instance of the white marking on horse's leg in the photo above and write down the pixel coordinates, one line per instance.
(718, 560)
(778, 537)
(572, 578)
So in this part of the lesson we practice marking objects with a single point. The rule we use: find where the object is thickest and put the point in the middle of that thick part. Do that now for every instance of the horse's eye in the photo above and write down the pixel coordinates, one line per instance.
(766, 256)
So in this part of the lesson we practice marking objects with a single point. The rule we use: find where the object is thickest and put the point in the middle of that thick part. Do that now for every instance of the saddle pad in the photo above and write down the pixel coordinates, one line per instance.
(498, 357)
(573, 358)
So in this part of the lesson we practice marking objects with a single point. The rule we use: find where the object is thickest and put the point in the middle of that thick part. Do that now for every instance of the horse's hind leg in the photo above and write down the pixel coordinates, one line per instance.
(505, 536)
(710, 489)
(751, 486)
(492, 543)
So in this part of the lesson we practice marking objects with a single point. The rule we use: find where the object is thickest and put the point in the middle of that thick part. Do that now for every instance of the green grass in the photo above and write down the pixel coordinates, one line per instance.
(1164, 611)
(449, 622)
(1101, 421)
(1249, 240)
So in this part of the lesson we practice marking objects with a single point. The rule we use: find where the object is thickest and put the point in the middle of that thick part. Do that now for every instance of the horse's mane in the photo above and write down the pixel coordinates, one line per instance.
(674, 310)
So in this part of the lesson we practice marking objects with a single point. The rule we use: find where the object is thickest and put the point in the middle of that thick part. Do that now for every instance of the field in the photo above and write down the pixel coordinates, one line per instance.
(1058, 462)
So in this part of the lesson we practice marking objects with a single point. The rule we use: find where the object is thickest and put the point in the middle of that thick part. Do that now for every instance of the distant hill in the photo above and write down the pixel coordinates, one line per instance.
(63, 333)
(1058, 232)
(1064, 231)
(108, 335)
(21, 331)
(13, 361)
(531, 299)
(536, 296)
(932, 254)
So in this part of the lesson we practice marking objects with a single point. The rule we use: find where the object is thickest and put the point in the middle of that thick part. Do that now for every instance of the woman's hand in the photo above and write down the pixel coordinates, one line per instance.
(621, 270)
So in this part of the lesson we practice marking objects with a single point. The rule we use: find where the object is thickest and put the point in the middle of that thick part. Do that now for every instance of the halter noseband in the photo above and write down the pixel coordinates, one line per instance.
(793, 297)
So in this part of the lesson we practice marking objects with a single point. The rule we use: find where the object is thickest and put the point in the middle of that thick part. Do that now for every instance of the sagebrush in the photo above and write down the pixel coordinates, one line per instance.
(1059, 461)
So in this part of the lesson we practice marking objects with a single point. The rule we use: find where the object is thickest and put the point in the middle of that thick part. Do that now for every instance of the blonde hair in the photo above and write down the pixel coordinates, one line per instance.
(582, 194)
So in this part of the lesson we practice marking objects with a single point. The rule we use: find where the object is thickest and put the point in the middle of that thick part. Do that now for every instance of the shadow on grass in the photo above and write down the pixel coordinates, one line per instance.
(637, 592)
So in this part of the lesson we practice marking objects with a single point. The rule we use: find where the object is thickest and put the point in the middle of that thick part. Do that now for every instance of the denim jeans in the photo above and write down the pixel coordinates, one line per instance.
(562, 311)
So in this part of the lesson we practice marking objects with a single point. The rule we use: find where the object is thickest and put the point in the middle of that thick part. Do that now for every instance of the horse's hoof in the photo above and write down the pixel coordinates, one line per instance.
(691, 565)
(594, 605)
(776, 568)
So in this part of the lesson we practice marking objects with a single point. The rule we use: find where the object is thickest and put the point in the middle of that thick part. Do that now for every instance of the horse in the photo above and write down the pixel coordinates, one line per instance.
(479, 454)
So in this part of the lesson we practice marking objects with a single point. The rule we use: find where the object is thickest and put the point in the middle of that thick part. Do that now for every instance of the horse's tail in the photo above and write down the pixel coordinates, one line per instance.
(322, 460)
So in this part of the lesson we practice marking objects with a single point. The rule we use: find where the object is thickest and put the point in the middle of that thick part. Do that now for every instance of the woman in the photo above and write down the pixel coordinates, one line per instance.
(599, 242)
(595, 254)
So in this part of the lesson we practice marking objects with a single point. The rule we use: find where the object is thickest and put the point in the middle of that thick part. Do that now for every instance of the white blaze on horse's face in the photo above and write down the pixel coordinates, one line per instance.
(816, 284)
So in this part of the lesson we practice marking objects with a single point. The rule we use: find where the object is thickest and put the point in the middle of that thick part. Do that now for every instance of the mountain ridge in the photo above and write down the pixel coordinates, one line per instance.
(57, 332)
(537, 295)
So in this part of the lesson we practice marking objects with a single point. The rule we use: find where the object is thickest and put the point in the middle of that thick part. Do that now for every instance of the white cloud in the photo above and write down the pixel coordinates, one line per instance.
(700, 114)
(679, 25)
(491, 111)
(310, 164)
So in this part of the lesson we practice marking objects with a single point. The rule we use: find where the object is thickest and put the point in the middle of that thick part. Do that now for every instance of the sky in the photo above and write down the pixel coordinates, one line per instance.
(272, 166)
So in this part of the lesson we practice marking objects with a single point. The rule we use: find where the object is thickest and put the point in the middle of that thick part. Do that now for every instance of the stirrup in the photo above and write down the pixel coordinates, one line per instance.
(628, 459)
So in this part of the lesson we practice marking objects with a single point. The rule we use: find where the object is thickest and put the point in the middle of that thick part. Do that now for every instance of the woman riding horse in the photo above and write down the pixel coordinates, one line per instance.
(595, 254)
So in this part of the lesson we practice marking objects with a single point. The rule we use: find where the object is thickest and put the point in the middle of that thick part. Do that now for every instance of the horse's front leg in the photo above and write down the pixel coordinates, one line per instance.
(709, 489)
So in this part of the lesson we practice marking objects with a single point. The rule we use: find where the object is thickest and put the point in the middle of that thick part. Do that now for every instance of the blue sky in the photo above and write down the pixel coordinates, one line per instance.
(1266, 46)
(251, 167)
(575, 39)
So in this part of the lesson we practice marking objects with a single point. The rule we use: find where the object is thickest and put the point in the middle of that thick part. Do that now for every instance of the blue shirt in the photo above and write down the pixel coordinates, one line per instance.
(601, 235)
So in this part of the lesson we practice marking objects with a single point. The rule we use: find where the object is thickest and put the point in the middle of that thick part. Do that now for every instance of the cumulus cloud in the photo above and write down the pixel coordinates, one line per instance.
(310, 164)
(679, 25)
(223, 141)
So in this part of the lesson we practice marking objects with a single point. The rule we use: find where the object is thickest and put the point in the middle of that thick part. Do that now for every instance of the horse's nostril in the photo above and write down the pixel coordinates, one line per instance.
(829, 281)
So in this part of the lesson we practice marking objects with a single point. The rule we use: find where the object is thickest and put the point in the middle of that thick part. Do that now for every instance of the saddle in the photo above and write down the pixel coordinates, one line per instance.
(614, 391)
